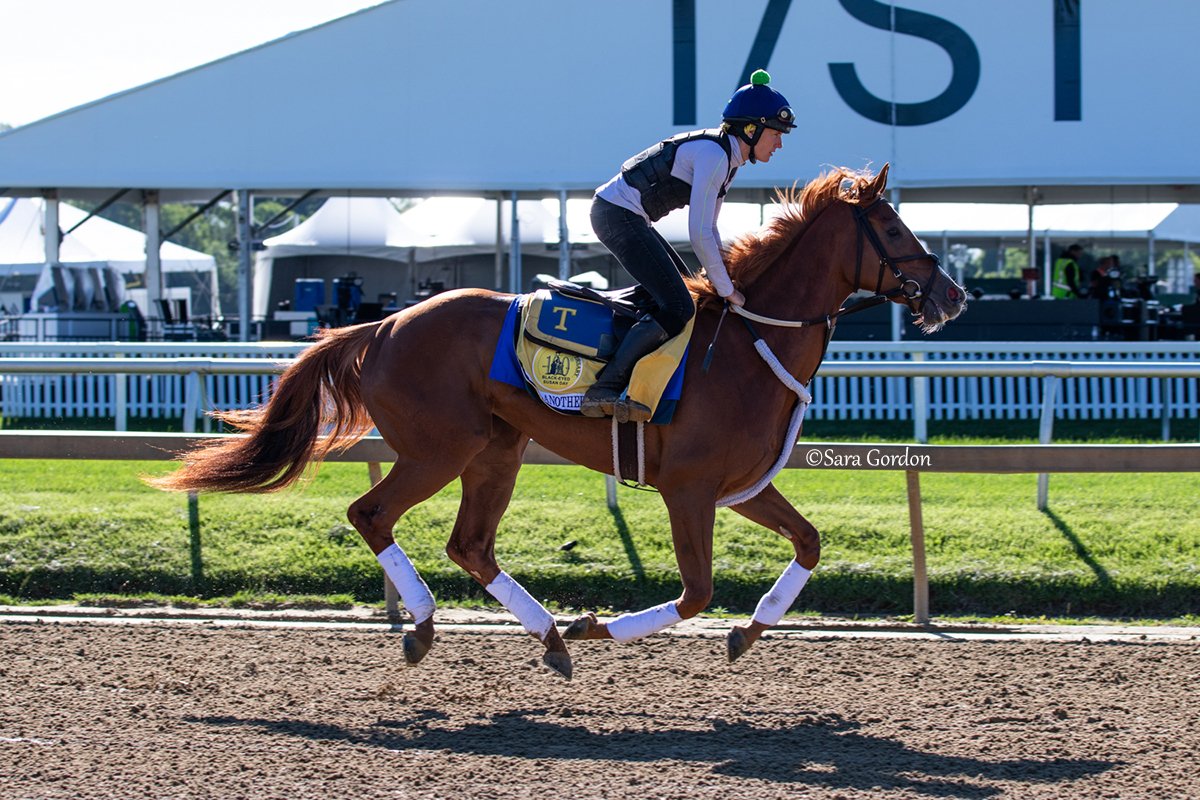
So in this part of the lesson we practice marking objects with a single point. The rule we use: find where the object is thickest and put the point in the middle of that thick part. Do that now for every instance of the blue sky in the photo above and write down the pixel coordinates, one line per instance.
(63, 53)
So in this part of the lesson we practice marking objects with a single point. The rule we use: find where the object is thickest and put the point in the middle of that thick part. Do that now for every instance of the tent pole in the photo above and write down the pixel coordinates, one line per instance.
(1150, 254)
(1047, 265)
(564, 239)
(151, 224)
(514, 251)
(50, 224)
(1030, 238)
(897, 320)
(499, 242)
(245, 207)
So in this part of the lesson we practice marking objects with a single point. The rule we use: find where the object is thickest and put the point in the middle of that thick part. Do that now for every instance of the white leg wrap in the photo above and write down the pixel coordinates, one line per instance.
(776, 602)
(532, 615)
(403, 575)
(628, 627)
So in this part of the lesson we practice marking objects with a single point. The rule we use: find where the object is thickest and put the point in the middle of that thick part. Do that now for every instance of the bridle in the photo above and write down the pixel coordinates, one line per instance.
(912, 291)
(915, 295)
(909, 288)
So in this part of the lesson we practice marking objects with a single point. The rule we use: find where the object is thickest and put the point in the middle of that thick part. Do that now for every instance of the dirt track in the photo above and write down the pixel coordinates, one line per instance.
(173, 711)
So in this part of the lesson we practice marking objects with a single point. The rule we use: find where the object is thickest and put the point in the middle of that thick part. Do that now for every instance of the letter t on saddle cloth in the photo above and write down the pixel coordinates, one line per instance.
(555, 341)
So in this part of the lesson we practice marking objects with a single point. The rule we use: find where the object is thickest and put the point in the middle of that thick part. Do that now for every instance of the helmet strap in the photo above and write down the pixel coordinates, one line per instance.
(751, 138)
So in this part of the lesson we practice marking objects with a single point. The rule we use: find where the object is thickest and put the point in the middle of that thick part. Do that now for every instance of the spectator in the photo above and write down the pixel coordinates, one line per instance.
(1067, 274)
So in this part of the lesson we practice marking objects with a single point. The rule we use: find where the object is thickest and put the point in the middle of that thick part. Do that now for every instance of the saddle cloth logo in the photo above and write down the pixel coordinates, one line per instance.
(555, 371)
(554, 347)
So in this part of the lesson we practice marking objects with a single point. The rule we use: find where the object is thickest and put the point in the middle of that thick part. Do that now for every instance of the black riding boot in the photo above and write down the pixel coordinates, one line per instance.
(603, 399)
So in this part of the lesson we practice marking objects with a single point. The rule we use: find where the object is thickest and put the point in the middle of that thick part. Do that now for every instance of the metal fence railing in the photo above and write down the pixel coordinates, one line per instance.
(859, 380)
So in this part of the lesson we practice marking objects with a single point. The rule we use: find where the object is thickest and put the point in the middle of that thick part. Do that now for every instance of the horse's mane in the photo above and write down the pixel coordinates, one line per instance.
(748, 256)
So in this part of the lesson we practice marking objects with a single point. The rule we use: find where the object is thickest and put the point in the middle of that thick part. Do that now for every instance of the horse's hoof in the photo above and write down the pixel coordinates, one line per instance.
(414, 649)
(736, 644)
(559, 661)
(578, 629)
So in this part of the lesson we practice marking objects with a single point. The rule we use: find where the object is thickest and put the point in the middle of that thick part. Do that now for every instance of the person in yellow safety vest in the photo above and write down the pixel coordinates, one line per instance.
(1065, 280)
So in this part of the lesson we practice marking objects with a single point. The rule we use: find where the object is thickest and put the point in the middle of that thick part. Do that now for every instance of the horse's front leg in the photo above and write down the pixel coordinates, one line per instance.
(692, 514)
(771, 510)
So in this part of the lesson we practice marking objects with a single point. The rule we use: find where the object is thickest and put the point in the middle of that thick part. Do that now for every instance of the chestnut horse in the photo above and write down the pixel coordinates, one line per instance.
(421, 378)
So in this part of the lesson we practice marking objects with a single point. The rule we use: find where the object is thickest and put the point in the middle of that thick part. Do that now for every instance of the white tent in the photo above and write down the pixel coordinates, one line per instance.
(368, 236)
(362, 234)
(102, 244)
(1117, 220)
(345, 234)
(1152, 227)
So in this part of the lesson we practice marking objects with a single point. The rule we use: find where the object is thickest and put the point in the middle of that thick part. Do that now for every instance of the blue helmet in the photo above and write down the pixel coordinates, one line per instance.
(756, 106)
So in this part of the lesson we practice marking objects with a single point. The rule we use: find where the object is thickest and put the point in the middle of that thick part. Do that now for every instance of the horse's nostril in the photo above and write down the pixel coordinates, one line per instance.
(953, 294)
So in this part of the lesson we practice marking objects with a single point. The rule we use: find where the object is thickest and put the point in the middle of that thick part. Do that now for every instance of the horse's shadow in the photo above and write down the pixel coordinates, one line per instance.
(824, 750)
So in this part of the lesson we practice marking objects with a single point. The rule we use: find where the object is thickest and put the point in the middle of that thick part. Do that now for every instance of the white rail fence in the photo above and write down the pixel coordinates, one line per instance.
(859, 380)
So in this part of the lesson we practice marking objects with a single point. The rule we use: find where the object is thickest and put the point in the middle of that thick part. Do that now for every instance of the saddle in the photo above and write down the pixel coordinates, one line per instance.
(556, 340)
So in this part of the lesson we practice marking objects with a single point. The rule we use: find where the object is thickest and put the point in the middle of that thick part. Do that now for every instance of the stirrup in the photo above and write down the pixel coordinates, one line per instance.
(600, 401)
(626, 410)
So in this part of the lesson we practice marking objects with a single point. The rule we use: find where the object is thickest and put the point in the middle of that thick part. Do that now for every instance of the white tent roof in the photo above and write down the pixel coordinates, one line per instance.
(1166, 221)
(424, 96)
(98, 242)
(368, 226)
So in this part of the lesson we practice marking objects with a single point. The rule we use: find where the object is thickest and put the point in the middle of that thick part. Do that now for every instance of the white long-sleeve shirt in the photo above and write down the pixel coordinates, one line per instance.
(701, 163)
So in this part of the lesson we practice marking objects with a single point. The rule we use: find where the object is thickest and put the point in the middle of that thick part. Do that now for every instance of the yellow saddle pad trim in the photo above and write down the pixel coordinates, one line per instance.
(653, 372)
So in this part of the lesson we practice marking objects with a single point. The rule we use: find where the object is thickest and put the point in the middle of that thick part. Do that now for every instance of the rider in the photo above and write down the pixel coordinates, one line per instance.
(690, 169)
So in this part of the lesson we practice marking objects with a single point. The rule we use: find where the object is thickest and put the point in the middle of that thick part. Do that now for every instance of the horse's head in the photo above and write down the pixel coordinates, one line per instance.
(891, 261)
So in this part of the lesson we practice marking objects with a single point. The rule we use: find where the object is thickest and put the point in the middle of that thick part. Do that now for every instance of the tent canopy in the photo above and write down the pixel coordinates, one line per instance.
(968, 101)
(97, 244)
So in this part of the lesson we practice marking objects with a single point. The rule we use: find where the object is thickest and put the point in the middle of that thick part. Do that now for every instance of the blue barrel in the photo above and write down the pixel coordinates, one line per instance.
(310, 293)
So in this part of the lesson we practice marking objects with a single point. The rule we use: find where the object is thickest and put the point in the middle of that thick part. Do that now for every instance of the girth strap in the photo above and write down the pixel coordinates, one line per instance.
(629, 453)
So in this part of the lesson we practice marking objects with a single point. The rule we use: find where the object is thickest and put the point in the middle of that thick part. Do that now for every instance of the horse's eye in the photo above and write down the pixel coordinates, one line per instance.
(893, 231)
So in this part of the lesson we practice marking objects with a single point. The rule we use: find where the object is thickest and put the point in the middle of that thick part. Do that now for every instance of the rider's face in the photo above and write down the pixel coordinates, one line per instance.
(771, 141)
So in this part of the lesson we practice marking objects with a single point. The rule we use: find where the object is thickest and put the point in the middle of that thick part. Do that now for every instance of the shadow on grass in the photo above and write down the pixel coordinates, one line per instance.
(635, 561)
(823, 749)
(1081, 550)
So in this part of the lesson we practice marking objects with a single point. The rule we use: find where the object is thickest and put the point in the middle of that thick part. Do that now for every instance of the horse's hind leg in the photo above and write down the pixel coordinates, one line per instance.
(487, 486)
(772, 510)
(373, 515)
(692, 511)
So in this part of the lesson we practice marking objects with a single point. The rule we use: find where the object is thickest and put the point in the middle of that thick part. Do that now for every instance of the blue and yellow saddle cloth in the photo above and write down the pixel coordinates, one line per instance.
(554, 346)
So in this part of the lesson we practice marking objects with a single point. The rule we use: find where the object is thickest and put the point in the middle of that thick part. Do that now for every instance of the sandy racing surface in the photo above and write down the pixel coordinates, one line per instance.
(161, 710)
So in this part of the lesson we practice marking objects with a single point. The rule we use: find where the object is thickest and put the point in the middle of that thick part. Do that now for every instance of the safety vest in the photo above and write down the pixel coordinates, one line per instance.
(1059, 286)
(650, 173)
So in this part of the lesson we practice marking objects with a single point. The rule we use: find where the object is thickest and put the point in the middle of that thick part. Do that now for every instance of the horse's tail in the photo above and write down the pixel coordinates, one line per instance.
(316, 407)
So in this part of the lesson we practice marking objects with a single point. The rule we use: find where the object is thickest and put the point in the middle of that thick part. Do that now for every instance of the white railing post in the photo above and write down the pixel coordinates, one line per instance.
(916, 524)
(610, 491)
(920, 387)
(1165, 383)
(121, 401)
(1045, 434)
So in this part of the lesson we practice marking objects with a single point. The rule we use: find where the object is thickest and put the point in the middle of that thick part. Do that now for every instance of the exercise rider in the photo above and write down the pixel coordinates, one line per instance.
(690, 169)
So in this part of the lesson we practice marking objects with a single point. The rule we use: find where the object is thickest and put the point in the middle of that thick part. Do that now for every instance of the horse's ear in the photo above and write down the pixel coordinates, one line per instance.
(880, 183)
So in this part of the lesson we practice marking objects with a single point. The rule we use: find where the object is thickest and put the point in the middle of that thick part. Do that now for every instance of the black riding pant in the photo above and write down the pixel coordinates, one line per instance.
(647, 257)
